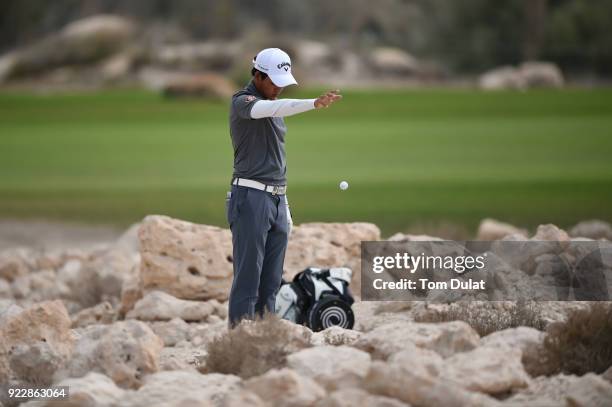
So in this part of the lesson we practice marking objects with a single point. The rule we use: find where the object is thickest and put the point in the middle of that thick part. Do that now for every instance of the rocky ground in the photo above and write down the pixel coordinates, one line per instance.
(130, 322)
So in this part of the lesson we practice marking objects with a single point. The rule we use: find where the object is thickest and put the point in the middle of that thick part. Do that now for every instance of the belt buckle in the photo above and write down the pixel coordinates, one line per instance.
(275, 190)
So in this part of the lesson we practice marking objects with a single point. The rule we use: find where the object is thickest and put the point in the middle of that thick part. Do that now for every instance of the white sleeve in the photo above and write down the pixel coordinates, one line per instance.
(281, 107)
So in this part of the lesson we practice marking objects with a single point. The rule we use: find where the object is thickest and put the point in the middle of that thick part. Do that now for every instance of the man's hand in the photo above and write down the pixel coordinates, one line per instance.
(327, 99)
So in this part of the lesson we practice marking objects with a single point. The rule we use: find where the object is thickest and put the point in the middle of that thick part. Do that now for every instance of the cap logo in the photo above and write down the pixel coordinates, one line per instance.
(284, 65)
(260, 67)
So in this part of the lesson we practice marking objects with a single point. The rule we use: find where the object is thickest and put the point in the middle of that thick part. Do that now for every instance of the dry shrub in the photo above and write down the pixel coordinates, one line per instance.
(581, 344)
(254, 347)
(485, 318)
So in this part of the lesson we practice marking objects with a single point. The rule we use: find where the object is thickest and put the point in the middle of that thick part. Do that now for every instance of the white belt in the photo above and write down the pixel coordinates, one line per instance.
(273, 189)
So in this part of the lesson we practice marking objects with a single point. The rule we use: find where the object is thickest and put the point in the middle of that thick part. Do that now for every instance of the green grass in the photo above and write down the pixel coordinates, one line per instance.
(414, 159)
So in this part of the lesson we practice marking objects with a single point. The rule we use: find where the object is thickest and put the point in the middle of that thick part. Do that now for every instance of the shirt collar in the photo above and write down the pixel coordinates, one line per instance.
(253, 89)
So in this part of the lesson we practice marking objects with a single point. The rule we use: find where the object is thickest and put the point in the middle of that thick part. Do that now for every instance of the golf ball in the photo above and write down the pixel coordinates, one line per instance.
(343, 185)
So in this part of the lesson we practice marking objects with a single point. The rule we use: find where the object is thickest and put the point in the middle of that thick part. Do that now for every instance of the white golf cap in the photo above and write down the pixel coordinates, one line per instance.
(277, 65)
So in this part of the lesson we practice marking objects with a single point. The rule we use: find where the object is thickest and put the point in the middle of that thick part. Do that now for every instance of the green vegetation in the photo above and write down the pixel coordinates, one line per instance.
(414, 159)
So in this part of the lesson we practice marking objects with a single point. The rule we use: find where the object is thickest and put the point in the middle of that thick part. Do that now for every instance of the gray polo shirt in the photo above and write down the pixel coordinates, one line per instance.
(259, 144)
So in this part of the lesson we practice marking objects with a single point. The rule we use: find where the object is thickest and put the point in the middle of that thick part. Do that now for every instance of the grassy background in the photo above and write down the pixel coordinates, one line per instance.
(421, 160)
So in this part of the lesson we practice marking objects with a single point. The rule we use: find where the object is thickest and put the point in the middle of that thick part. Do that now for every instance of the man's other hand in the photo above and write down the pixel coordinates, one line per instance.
(327, 99)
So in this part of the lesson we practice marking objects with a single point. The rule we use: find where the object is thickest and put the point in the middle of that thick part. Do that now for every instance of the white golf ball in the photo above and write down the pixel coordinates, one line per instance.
(343, 185)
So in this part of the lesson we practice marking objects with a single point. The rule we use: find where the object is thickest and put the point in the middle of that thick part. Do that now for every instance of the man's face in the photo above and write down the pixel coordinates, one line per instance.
(266, 87)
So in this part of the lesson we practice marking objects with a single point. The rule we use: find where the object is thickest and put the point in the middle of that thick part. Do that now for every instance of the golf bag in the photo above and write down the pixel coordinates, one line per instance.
(317, 298)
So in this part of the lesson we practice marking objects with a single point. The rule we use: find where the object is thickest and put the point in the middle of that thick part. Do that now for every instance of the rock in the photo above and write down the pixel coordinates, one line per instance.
(285, 387)
(206, 85)
(523, 338)
(8, 63)
(335, 336)
(93, 389)
(186, 260)
(491, 229)
(364, 310)
(315, 57)
(183, 388)
(131, 292)
(358, 398)
(550, 232)
(171, 332)
(204, 56)
(523, 254)
(193, 261)
(401, 237)
(111, 270)
(36, 363)
(592, 229)
(36, 342)
(185, 358)
(155, 79)
(329, 245)
(98, 278)
(128, 241)
(83, 41)
(445, 338)
(589, 390)
(527, 75)
(39, 286)
(243, 398)
(13, 264)
(333, 367)
(5, 290)
(81, 282)
(117, 66)
(160, 306)
(489, 370)
(104, 31)
(422, 362)
(68, 272)
(102, 313)
(125, 351)
(58, 258)
(543, 391)
(541, 75)
(401, 382)
(368, 316)
(10, 310)
(505, 77)
(607, 375)
(202, 334)
(393, 61)
(221, 308)
(369, 323)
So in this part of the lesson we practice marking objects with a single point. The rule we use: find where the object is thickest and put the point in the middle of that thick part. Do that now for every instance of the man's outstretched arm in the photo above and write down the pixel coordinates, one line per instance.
(289, 107)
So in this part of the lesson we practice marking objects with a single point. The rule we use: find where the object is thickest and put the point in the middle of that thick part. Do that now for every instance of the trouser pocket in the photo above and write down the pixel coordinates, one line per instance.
(228, 198)
(289, 218)
(234, 201)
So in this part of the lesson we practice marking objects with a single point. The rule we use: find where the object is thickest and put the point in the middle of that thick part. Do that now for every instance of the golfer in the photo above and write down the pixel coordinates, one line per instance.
(257, 208)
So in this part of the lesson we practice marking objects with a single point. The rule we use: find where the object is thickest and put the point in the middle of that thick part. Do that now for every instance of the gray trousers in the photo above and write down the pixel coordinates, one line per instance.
(260, 224)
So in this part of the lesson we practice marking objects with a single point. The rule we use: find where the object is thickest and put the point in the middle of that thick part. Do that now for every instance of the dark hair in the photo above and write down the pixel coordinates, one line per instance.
(255, 70)
(262, 74)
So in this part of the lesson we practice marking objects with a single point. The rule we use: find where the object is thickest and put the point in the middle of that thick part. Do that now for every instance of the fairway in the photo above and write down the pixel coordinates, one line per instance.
(414, 160)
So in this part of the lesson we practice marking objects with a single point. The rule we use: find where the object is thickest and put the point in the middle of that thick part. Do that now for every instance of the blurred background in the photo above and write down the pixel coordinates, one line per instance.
(453, 111)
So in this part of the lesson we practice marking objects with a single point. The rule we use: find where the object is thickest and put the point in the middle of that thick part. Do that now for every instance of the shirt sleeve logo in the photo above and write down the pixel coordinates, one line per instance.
(249, 98)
